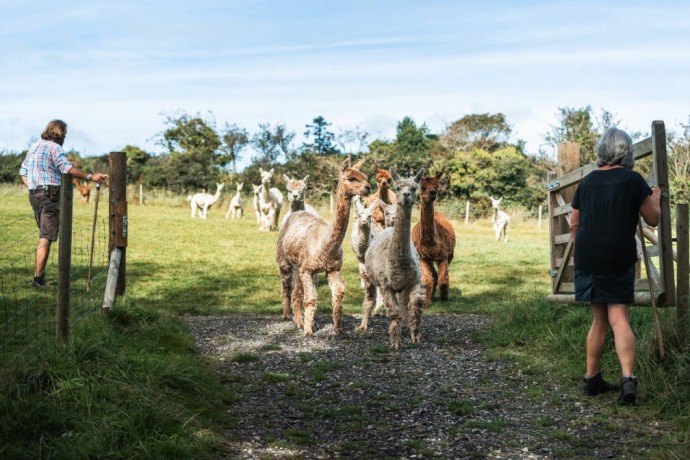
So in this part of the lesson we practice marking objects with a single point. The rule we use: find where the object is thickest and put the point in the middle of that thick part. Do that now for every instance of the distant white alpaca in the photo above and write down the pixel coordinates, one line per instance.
(389, 213)
(270, 202)
(500, 220)
(203, 201)
(236, 208)
(392, 265)
(295, 195)
(255, 203)
(361, 234)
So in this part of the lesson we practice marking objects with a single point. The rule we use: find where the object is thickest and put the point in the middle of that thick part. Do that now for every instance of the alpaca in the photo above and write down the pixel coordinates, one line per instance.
(203, 201)
(361, 233)
(255, 203)
(84, 190)
(383, 181)
(392, 265)
(295, 195)
(500, 220)
(434, 238)
(270, 202)
(308, 245)
(389, 211)
(236, 208)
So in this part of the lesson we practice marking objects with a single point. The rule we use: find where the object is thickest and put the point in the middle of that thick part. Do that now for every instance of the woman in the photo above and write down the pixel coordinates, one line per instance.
(605, 215)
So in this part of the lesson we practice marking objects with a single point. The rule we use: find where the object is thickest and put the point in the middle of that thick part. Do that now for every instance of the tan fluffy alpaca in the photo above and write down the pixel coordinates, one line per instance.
(383, 182)
(392, 265)
(308, 245)
(84, 190)
(434, 238)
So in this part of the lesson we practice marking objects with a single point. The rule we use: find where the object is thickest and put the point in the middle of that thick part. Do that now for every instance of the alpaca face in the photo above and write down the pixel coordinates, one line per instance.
(363, 213)
(429, 189)
(239, 187)
(390, 212)
(266, 176)
(295, 188)
(383, 180)
(496, 204)
(257, 190)
(406, 189)
(352, 180)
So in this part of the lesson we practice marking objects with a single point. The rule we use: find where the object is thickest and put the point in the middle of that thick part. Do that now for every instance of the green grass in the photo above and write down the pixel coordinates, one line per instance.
(131, 385)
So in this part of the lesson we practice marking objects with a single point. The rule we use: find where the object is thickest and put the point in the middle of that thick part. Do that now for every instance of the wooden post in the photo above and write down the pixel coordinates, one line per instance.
(467, 212)
(665, 237)
(683, 287)
(141, 194)
(118, 214)
(541, 209)
(64, 261)
(111, 282)
(568, 160)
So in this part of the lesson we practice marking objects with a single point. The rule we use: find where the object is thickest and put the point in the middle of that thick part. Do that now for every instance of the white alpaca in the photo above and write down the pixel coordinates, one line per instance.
(236, 208)
(270, 202)
(295, 194)
(392, 265)
(500, 220)
(361, 234)
(255, 203)
(203, 201)
(389, 212)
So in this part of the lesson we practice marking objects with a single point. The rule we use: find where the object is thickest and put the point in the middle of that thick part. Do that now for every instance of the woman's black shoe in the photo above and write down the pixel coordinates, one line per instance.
(596, 384)
(628, 391)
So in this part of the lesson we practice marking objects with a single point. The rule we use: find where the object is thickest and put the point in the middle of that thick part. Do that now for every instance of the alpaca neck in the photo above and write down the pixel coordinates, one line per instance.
(495, 215)
(297, 205)
(264, 192)
(426, 221)
(400, 244)
(338, 228)
(384, 194)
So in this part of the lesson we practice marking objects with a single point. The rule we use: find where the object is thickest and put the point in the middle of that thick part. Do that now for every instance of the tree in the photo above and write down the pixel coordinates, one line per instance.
(270, 143)
(136, 161)
(580, 126)
(234, 139)
(411, 145)
(484, 131)
(352, 141)
(323, 140)
(679, 165)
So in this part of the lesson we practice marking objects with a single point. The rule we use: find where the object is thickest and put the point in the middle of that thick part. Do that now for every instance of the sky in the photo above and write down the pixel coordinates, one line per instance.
(115, 71)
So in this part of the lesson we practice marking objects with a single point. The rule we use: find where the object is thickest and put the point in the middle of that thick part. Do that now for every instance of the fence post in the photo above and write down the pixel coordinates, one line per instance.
(467, 212)
(682, 286)
(664, 231)
(64, 261)
(118, 214)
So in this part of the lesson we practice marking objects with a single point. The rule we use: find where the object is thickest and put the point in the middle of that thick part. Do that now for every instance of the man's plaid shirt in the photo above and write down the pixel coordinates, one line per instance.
(44, 164)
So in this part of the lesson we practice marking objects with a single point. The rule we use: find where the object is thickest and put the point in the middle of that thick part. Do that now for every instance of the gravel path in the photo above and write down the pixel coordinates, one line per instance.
(349, 396)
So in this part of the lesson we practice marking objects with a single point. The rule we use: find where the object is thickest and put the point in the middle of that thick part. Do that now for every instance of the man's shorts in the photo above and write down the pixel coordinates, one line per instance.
(617, 288)
(47, 214)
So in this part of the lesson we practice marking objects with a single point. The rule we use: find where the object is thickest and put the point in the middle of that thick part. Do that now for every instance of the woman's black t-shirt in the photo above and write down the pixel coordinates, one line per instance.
(609, 203)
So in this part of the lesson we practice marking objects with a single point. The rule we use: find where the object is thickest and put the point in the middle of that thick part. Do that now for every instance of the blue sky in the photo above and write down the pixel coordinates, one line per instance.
(114, 70)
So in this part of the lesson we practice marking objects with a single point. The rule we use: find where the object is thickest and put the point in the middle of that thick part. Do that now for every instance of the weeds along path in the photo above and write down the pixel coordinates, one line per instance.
(349, 396)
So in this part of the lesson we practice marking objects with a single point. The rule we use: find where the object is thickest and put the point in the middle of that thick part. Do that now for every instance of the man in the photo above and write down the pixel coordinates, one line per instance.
(40, 172)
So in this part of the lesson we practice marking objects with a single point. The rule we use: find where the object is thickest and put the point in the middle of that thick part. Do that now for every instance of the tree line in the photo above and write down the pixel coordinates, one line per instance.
(474, 153)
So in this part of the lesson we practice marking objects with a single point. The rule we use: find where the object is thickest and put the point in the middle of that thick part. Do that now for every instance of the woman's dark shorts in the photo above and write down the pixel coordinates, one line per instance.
(618, 288)
(47, 214)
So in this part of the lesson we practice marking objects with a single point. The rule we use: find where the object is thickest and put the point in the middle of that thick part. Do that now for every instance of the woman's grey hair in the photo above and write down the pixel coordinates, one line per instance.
(615, 148)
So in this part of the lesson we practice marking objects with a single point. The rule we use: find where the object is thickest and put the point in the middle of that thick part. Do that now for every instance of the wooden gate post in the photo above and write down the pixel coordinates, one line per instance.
(118, 214)
(64, 261)
(665, 237)
(683, 277)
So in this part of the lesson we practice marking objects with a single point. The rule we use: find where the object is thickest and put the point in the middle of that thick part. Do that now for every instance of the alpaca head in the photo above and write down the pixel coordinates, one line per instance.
(295, 188)
(496, 204)
(239, 187)
(428, 188)
(363, 213)
(352, 181)
(219, 187)
(265, 176)
(257, 189)
(383, 180)
(390, 212)
(406, 188)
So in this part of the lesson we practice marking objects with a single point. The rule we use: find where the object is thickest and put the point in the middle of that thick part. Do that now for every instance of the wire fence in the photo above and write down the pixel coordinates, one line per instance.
(28, 313)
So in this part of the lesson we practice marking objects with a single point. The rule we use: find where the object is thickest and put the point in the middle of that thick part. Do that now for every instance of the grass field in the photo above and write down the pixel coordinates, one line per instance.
(131, 385)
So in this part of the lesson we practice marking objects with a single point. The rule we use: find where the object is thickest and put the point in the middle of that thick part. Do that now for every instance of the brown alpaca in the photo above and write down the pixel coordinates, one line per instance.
(307, 245)
(434, 238)
(84, 190)
(383, 181)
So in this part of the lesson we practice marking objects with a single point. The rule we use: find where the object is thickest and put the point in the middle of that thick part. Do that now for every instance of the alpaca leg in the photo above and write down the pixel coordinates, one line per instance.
(505, 234)
(230, 210)
(378, 297)
(414, 314)
(297, 299)
(443, 280)
(394, 316)
(193, 209)
(276, 216)
(309, 302)
(369, 298)
(427, 280)
(240, 213)
(434, 277)
(286, 280)
(337, 285)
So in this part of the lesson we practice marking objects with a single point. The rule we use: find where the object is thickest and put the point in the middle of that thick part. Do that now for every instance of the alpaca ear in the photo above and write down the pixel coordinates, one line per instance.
(306, 178)
(439, 175)
(394, 174)
(287, 179)
(358, 164)
(261, 170)
(345, 165)
(380, 202)
(419, 176)
(358, 203)
(271, 172)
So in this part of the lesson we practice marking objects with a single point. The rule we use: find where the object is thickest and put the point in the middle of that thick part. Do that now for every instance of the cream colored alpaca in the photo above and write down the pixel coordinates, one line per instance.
(308, 245)
(203, 201)
(255, 203)
(270, 202)
(392, 265)
(361, 233)
(84, 190)
(236, 208)
(500, 220)
(295, 191)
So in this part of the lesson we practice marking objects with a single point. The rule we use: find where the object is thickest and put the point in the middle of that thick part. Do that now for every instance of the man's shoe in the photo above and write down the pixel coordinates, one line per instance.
(628, 391)
(596, 384)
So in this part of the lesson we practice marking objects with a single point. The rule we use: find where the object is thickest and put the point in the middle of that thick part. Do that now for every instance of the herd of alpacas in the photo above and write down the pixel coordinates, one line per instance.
(400, 266)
